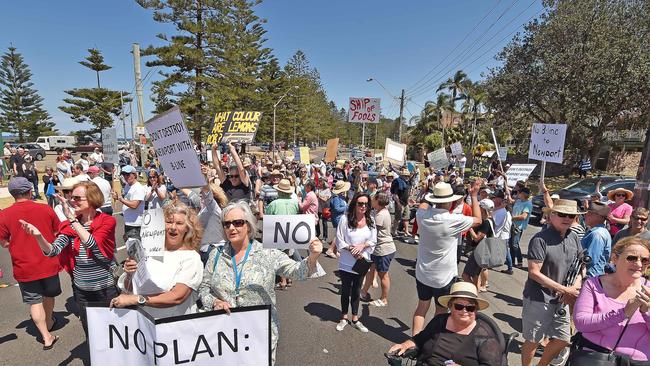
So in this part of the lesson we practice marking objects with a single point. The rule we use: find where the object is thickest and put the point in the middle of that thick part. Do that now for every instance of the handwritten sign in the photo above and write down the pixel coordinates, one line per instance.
(175, 149)
(109, 145)
(481, 166)
(379, 158)
(456, 149)
(519, 172)
(301, 154)
(547, 142)
(288, 231)
(234, 126)
(332, 150)
(395, 152)
(133, 337)
(503, 153)
(438, 159)
(364, 110)
(152, 232)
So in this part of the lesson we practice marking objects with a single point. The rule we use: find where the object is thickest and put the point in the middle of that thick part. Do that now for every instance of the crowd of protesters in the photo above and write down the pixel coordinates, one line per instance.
(214, 257)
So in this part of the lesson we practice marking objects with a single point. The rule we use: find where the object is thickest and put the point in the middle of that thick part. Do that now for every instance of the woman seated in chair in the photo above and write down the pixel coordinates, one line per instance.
(458, 337)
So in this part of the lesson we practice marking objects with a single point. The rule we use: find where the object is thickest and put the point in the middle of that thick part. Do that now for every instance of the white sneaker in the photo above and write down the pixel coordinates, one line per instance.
(341, 324)
(561, 358)
(360, 326)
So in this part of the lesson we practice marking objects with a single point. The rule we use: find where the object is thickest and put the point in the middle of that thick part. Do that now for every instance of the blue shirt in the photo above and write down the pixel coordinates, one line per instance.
(518, 208)
(598, 244)
(338, 206)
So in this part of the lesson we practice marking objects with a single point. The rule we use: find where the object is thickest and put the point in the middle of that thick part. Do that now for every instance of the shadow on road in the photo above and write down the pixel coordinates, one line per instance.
(512, 301)
(406, 262)
(30, 327)
(325, 312)
(337, 286)
(78, 353)
(515, 323)
(379, 327)
(8, 337)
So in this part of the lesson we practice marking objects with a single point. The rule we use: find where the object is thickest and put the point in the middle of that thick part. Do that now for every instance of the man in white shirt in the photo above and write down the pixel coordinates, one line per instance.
(502, 224)
(78, 172)
(83, 160)
(104, 186)
(96, 157)
(436, 268)
(462, 163)
(133, 201)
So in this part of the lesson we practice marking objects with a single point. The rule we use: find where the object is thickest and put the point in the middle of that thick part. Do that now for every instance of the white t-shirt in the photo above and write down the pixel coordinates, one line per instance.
(178, 266)
(84, 163)
(97, 157)
(502, 223)
(346, 237)
(154, 200)
(82, 177)
(105, 187)
(439, 231)
(133, 216)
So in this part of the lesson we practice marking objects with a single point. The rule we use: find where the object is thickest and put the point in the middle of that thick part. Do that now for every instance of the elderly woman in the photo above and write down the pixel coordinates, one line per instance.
(178, 275)
(242, 272)
(86, 245)
(457, 337)
(621, 211)
(617, 305)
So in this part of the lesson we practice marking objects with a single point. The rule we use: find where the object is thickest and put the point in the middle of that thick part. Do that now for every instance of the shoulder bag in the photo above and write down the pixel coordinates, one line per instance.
(490, 251)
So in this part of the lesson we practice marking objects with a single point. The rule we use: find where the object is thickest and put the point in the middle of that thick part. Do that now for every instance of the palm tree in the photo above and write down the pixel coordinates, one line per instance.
(457, 85)
(474, 100)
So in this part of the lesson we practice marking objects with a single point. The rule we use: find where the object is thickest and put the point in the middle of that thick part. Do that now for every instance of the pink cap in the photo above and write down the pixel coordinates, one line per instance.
(93, 169)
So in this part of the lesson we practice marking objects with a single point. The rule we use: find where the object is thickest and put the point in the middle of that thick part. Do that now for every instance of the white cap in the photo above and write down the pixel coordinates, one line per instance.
(486, 204)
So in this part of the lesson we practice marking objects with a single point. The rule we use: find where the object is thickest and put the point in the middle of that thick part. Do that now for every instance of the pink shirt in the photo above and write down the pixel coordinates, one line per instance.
(310, 205)
(601, 320)
(619, 212)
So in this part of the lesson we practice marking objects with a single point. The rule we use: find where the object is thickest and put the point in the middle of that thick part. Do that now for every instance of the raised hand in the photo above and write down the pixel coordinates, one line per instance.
(29, 228)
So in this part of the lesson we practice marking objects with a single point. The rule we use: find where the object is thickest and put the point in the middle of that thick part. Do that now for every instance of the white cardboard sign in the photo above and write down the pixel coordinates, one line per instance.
(109, 145)
(175, 149)
(503, 153)
(132, 337)
(519, 172)
(288, 231)
(547, 142)
(152, 233)
(379, 158)
(395, 152)
(456, 149)
(438, 159)
(364, 110)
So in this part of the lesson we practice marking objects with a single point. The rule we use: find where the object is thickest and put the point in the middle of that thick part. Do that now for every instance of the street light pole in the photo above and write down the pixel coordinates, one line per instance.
(401, 105)
(275, 106)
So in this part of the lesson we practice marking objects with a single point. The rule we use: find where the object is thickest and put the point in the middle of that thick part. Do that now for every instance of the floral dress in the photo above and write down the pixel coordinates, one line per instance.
(257, 284)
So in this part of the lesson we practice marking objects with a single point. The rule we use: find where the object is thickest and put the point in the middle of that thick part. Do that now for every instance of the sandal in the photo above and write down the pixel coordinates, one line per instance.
(47, 348)
(379, 303)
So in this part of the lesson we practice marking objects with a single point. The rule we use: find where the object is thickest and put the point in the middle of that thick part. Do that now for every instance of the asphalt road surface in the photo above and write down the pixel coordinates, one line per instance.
(308, 314)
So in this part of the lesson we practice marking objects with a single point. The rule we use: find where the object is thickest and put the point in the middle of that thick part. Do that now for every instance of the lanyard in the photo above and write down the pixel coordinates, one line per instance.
(241, 269)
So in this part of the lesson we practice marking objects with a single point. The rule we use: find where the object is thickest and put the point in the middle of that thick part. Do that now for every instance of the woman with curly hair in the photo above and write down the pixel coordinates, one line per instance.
(180, 272)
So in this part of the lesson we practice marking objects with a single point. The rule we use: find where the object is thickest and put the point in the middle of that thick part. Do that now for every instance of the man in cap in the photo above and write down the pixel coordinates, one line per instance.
(237, 184)
(37, 274)
(439, 230)
(597, 241)
(268, 193)
(400, 189)
(132, 201)
(545, 312)
(104, 186)
(521, 211)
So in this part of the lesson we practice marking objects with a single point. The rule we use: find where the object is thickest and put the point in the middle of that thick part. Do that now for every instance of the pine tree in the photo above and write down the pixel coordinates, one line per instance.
(21, 108)
(97, 106)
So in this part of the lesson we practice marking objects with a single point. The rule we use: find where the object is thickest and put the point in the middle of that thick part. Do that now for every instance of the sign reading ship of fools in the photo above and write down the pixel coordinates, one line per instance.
(364, 110)
(234, 126)
(547, 142)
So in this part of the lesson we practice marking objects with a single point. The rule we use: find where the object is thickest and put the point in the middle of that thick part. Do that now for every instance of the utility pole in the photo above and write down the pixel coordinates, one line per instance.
(123, 116)
(401, 115)
(131, 116)
(641, 191)
(138, 83)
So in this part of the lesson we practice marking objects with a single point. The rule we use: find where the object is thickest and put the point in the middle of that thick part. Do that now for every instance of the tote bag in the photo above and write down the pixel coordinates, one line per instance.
(490, 252)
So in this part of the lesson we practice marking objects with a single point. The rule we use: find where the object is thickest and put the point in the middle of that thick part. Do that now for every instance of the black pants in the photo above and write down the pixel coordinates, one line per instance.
(100, 297)
(107, 210)
(350, 289)
(321, 221)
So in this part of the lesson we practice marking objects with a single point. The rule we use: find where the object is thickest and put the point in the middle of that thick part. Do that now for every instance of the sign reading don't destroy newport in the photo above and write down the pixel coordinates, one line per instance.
(288, 231)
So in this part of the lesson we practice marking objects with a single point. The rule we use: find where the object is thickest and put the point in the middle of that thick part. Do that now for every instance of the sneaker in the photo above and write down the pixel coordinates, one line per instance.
(360, 326)
(341, 324)
(507, 271)
(561, 358)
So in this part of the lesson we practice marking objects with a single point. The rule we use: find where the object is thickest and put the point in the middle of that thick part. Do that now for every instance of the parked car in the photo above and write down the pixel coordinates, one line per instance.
(582, 190)
(35, 150)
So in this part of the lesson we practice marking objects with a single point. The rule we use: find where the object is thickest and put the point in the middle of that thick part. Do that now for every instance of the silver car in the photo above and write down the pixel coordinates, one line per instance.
(35, 150)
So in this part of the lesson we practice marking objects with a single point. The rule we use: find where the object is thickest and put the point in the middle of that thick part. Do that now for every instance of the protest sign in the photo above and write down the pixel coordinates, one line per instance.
(147, 278)
(109, 145)
(288, 231)
(140, 130)
(152, 232)
(503, 153)
(332, 150)
(175, 149)
(234, 126)
(456, 149)
(481, 166)
(364, 110)
(210, 158)
(395, 152)
(547, 142)
(438, 159)
(133, 337)
(488, 154)
(301, 154)
(519, 172)
(379, 158)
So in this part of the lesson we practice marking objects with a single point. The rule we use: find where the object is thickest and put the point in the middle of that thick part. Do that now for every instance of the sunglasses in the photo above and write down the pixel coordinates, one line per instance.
(468, 308)
(621, 195)
(236, 223)
(563, 215)
(66, 191)
(233, 176)
(78, 198)
(362, 204)
(640, 218)
(636, 258)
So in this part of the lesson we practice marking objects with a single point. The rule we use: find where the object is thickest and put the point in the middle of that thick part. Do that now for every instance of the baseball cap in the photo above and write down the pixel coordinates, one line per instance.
(19, 185)
(128, 169)
(93, 169)
(498, 194)
(525, 190)
(486, 204)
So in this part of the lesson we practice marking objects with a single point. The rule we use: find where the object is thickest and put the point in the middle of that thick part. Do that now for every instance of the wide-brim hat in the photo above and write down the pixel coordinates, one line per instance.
(276, 174)
(569, 207)
(68, 183)
(611, 195)
(341, 186)
(465, 290)
(284, 186)
(338, 166)
(599, 209)
(442, 193)
(247, 162)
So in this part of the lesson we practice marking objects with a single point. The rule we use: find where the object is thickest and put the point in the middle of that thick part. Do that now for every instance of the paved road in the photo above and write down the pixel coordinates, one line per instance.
(308, 313)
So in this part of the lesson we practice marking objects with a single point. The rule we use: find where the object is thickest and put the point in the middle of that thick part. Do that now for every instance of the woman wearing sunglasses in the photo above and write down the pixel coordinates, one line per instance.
(86, 245)
(242, 272)
(618, 305)
(457, 337)
(155, 191)
(621, 211)
(637, 225)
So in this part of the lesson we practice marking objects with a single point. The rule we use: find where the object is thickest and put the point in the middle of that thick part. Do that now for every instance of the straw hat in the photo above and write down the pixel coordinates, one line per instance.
(465, 290)
(569, 207)
(247, 162)
(68, 183)
(276, 173)
(284, 186)
(611, 195)
(341, 186)
(442, 193)
(600, 209)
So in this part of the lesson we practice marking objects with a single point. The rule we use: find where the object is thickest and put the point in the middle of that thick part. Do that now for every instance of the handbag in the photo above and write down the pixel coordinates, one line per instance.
(596, 355)
(50, 189)
(327, 213)
(490, 251)
(361, 266)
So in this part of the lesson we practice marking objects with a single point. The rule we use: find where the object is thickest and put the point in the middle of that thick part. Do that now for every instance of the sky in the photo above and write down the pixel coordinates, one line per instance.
(409, 44)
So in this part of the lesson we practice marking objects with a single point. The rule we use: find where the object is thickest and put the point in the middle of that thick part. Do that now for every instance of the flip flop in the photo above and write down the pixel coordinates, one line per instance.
(379, 303)
(47, 348)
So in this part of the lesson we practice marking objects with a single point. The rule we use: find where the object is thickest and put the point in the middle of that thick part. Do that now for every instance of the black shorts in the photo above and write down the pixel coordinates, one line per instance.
(33, 292)
(471, 267)
(425, 293)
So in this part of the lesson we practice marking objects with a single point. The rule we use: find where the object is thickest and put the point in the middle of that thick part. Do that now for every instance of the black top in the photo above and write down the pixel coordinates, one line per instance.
(236, 193)
(485, 228)
(436, 345)
(19, 161)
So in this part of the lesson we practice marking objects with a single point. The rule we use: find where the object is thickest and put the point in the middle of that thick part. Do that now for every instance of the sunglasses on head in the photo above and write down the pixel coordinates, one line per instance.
(237, 223)
(469, 308)
(563, 215)
(636, 258)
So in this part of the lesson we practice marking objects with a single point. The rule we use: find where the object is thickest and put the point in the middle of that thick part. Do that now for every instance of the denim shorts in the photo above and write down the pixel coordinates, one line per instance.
(382, 262)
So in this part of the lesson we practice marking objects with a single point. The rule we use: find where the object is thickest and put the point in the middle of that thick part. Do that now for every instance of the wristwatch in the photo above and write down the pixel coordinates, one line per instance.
(142, 300)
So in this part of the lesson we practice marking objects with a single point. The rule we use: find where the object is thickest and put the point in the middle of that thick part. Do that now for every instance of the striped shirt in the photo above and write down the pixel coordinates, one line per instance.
(91, 272)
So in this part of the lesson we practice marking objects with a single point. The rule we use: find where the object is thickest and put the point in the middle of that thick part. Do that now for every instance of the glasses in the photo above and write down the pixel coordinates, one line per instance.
(621, 195)
(563, 215)
(362, 204)
(66, 191)
(78, 198)
(237, 223)
(468, 308)
(153, 177)
(233, 176)
(640, 218)
(636, 258)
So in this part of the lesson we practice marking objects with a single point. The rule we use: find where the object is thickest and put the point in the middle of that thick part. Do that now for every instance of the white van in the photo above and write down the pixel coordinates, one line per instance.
(57, 143)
